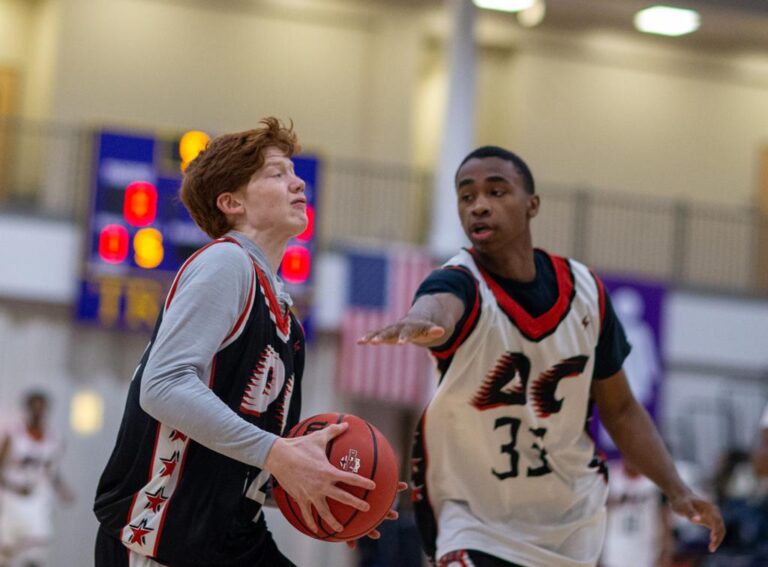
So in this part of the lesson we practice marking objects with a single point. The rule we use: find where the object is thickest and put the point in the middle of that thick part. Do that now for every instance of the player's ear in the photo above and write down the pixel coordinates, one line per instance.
(533, 206)
(230, 203)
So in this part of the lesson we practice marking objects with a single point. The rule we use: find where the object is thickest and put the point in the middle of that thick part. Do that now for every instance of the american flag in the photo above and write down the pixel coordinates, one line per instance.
(381, 287)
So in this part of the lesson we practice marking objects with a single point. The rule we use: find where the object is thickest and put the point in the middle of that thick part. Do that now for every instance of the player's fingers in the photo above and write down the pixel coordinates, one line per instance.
(392, 515)
(352, 479)
(306, 512)
(388, 335)
(348, 498)
(374, 534)
(714, 521)
(325, 513)
(332, 431)
(352, 544)
(366, 338)
(686, 508)
(402, 486)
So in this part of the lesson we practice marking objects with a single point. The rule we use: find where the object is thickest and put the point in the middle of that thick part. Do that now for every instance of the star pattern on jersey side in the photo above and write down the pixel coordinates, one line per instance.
(177, 435)
(155, 500)
(139, 532)
(169, 464)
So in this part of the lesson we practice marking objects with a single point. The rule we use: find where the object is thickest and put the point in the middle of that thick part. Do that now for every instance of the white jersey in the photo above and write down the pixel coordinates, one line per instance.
(509, 468)
(634, 521)
(26, 496)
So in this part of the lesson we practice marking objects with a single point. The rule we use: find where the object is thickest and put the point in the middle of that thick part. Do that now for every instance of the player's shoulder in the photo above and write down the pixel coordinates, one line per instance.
(221, 256)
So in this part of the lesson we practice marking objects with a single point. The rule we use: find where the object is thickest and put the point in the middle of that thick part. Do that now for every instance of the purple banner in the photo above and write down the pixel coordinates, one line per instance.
(639, 306)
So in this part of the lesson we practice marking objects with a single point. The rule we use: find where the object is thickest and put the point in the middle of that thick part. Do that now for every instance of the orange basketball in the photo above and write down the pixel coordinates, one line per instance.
(361, 449)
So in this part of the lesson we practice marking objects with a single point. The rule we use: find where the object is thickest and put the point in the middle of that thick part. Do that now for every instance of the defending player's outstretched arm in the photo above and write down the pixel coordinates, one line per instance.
(429, 323)
(636, 436)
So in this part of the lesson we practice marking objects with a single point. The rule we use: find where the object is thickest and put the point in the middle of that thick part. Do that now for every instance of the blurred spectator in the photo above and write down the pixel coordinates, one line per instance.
(760, 453)
(29, 458)
(638, 521)
(744, 506)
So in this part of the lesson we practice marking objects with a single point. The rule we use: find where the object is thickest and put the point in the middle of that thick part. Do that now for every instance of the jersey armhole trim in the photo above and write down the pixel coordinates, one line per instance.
(448, 350)
(601, 299)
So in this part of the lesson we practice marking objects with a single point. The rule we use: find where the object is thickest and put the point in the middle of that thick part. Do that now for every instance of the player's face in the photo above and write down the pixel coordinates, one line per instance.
(274, 198)
(494, 207)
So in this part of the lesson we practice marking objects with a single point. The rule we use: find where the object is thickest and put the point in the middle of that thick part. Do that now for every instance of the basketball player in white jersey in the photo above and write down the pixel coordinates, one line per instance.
(29, 457)
(504, 471)
(638, 521)
(760, 452)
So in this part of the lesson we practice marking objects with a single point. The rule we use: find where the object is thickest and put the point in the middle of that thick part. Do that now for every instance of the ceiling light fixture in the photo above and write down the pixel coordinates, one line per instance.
(505, 5)
(533, 16)
(665, 20)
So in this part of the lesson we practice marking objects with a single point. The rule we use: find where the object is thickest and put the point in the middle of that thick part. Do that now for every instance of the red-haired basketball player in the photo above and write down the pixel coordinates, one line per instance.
(221, 380)
(505, 471)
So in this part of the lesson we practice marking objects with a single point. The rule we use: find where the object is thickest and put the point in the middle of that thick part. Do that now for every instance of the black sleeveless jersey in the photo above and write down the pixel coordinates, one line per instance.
(166, 496)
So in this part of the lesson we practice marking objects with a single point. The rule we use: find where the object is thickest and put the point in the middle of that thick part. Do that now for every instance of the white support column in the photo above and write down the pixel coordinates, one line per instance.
(446, 235)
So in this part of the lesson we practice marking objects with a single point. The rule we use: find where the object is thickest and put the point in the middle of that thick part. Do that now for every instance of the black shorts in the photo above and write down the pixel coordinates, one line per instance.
(472, 558)
(110, 552)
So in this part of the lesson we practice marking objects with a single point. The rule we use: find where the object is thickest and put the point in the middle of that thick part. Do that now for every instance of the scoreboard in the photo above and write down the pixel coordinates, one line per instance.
(139, 233)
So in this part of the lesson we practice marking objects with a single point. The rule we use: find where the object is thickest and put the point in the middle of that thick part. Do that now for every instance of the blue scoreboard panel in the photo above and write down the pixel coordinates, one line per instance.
(139, 232)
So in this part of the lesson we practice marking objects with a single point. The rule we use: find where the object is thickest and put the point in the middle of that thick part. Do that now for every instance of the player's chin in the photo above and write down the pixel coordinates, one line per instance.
(299, 224)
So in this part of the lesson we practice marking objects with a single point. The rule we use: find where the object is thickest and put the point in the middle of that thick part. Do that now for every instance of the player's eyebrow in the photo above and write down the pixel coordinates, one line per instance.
(279, 161)
(497, 179)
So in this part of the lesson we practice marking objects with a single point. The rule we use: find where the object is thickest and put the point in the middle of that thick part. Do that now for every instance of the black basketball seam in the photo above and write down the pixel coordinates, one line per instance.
(289, 499)
(373, 475)
(328, 449)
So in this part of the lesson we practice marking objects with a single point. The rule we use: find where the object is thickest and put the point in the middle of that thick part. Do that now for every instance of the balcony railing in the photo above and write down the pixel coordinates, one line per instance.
(45, 169)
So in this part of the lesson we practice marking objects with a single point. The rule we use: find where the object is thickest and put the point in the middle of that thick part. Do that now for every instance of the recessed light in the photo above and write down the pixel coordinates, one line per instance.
(665, 20)
(505, 5)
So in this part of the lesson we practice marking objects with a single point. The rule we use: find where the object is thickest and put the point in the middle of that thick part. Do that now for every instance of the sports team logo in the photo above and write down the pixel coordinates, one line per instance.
(350, 462)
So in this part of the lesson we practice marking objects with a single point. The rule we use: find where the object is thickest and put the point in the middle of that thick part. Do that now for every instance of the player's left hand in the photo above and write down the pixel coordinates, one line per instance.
(391, 515)
(702, 512)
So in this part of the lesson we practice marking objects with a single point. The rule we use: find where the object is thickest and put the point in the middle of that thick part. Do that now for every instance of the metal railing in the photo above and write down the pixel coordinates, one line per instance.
(45, 169)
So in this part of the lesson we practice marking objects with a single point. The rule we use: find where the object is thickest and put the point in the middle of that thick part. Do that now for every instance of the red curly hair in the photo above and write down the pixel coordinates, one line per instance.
(227, 164)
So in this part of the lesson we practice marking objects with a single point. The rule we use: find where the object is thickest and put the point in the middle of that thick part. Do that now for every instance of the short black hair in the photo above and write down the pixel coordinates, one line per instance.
(501, 153)
(35, 396)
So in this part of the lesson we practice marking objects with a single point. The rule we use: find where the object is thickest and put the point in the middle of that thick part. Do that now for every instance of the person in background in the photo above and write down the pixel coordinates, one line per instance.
(30, 453)
(638, 521)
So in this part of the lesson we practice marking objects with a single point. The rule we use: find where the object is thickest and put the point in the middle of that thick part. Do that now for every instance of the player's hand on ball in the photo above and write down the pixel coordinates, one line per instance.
(301, 467)
(392, 515)
(702, 512)
(407, 330)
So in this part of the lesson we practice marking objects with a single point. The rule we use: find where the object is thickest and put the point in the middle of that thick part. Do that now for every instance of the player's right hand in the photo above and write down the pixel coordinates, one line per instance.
(301, 467)
(407, 330)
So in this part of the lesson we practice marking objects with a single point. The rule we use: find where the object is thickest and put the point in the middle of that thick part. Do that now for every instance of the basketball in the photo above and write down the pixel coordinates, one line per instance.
(361, 449)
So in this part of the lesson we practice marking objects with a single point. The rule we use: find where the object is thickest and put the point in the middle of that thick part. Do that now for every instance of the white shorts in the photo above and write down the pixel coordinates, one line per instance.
(25, 522)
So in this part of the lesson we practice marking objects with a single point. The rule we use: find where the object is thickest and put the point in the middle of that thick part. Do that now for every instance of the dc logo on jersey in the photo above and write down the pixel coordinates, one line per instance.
(266, 382)
(507, 383)
(350, 461)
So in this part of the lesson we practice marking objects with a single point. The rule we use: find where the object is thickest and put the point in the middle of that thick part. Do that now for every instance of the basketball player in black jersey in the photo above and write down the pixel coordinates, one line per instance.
(220, 381)
(504, 472)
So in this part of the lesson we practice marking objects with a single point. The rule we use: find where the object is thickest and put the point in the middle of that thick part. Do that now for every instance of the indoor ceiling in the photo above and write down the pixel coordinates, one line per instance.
(726, 25)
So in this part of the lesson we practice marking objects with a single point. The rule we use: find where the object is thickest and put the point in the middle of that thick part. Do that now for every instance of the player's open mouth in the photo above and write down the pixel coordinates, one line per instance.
(480, 231)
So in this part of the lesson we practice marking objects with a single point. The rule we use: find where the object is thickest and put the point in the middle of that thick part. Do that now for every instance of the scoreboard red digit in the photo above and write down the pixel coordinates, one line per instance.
(140, 234)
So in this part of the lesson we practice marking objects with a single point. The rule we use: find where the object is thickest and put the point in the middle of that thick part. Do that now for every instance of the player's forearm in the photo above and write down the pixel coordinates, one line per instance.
(181, 401)
(639, 441)
(760, 455)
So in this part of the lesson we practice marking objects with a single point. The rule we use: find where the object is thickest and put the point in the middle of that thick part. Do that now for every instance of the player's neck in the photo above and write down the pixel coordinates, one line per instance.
(35, 430)
(515, 263)
(273, 248)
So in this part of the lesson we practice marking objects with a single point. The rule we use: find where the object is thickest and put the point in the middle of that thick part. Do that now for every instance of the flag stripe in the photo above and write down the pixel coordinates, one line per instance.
(385, 373)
